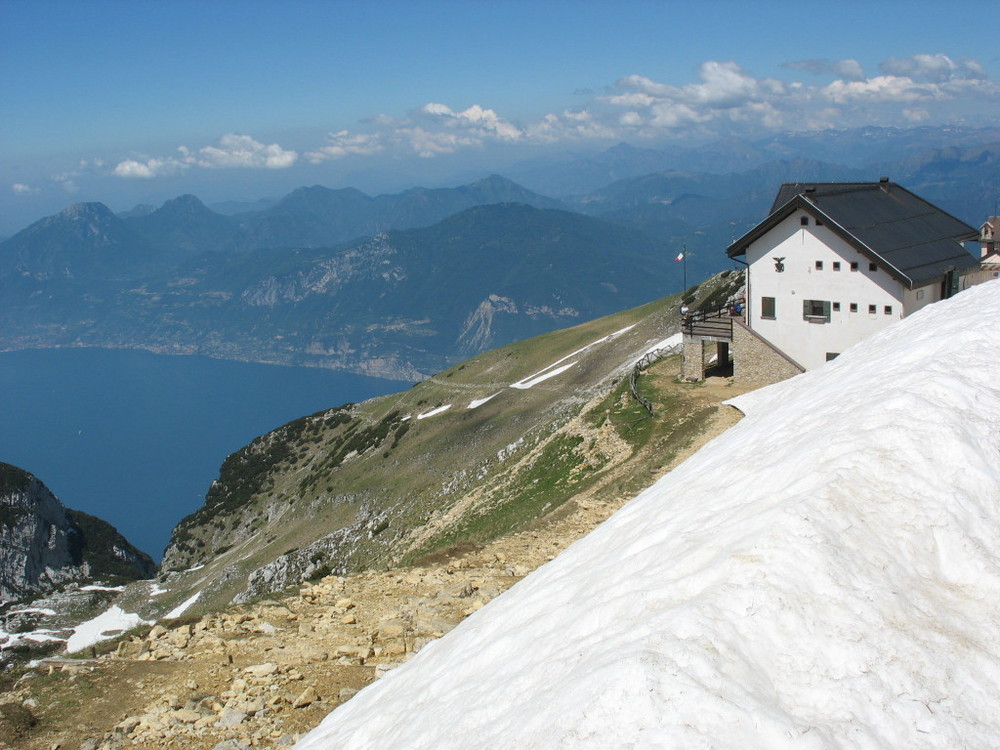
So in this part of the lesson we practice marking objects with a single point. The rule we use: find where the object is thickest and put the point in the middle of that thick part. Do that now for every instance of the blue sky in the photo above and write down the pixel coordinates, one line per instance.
(130, 102)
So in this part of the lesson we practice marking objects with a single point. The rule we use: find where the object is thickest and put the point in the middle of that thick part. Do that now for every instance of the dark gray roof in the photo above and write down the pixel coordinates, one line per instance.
(912, 239)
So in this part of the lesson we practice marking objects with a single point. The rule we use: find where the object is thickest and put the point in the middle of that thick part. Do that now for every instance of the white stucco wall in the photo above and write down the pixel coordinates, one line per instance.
(805, 341)
(914, 299)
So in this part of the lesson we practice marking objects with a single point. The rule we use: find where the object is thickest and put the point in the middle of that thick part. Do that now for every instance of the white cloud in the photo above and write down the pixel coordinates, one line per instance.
(22, 189)
(724, 98)
(149, 168)
(233, 152)
(879, 88)
(240, 151)
(344, 143)
(726, 95)
(427, 143)
(477, 120)
(937, 68)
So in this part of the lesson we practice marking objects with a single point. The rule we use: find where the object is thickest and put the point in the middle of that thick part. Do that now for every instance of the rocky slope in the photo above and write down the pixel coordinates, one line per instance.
(261, 674)
(44, 545)
(475, 452)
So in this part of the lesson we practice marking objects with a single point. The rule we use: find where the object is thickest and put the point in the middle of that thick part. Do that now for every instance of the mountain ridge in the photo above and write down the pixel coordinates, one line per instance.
(372, 307)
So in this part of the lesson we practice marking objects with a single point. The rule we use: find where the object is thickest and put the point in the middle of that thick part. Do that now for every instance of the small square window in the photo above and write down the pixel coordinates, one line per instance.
(854, 307)
(804, 221)
(836, 307)
(872, 266)
(888, 309)
(836, 265)
(819, 265)
(854, 266)
(767, 307)
(872, 309)
(819, 223)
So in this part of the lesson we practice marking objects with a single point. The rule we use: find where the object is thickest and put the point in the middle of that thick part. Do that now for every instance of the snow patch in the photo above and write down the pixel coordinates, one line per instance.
(476, 403)
(538, 378)
(670, 345)
(108, 624)
(33, 611)
(182, 607)
(433, 412)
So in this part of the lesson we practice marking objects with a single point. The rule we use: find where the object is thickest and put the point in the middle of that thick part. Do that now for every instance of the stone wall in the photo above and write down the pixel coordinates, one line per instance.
(693, 362)
(757, 362)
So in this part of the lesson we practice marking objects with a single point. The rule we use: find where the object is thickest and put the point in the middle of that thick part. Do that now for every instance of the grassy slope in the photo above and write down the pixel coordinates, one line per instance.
(419, 487)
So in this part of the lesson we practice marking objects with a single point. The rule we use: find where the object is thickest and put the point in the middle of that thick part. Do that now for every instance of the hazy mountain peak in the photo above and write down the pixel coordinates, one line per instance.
(92, 210)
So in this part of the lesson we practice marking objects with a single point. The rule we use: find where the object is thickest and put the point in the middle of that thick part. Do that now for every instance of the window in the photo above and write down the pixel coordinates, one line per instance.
(872, 309)
(854, 307)
(854, 266)
(832, 355)
(816, 311)
(819, 265)
(836, 307)
(804, 221)
(819, 223)
(888, 309)
(873, 266)
(920, 294)
(767, 307)
(836, 265)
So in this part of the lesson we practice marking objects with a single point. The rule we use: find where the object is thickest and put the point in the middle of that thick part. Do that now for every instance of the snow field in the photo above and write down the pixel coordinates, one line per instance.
(826, 574)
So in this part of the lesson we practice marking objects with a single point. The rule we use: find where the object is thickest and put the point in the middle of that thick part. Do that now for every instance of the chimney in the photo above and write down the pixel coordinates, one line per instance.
(883, 182)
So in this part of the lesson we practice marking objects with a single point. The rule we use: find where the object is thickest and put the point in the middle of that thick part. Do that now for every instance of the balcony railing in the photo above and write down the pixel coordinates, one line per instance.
(716, 324)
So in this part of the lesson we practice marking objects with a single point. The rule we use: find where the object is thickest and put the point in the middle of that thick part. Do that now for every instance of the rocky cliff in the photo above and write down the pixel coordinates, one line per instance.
(43, 544)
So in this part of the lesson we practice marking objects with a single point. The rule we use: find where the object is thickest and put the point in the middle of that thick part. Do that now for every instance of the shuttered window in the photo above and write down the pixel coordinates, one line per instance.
(816, 311)
(767, 307)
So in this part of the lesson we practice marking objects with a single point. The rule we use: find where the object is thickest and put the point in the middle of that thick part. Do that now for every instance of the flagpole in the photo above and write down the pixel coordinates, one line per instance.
(684, 260)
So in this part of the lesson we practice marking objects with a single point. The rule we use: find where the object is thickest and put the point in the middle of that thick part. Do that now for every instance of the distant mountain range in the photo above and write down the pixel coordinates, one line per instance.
(402, 285)
(401, 304)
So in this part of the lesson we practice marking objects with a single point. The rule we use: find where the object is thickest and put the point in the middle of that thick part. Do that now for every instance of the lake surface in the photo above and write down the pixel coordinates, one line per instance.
(137, 438)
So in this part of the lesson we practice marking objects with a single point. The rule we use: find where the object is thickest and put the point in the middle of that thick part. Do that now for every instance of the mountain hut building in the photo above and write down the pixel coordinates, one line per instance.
(830, 265)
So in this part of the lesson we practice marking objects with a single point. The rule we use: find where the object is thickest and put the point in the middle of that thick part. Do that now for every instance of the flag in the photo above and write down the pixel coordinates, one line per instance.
(680, 256)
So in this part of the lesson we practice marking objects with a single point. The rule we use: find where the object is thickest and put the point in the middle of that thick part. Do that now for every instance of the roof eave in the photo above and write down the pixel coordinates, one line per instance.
(739, 247)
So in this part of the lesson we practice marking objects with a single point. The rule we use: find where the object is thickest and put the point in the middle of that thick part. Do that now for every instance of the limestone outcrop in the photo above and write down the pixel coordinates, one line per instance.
(44, 545)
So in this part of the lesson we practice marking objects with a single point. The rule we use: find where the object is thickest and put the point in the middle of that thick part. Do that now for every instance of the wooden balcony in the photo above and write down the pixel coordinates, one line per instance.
(716, 325)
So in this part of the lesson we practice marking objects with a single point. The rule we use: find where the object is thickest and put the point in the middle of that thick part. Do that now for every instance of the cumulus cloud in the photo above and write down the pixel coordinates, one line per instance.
(937, 68)
(234, 151)
(430, 130)
(476, 120)
(724, 92)
(22, 189)
(727, 97)
(148, 168)
(240, 151)
(344, 143)
(724, 98)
